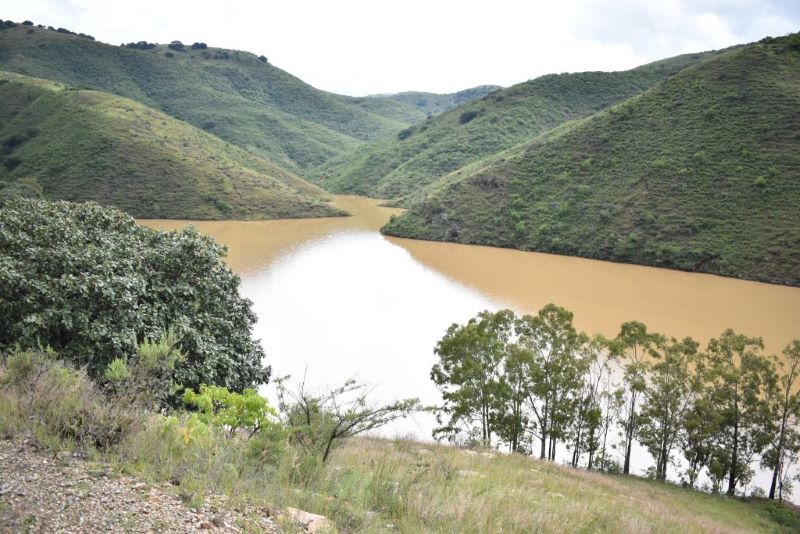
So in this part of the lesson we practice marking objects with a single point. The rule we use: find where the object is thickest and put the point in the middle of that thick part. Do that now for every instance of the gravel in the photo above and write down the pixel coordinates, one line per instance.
(45, 492)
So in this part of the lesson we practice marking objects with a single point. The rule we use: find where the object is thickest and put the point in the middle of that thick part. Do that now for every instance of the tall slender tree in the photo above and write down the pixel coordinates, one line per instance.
(588, 418)
(667, 399)
(784, 409)
(468, 374)
(738, 380)
(552, 345)
(633, 345)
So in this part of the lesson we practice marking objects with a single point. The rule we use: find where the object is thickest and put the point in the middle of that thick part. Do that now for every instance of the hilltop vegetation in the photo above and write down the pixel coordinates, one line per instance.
(700, 173)
(424, 105)
(88, 145)
(235, 95)
(425, 152)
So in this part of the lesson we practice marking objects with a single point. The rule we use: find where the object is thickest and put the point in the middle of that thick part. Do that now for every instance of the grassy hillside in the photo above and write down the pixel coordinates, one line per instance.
(232, 94)
(425, 152)
(421, 105)
(88, 145)
(701, 173)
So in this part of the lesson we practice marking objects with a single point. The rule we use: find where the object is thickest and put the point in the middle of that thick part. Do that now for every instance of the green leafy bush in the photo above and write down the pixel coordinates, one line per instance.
(217, 406)
(94, 285)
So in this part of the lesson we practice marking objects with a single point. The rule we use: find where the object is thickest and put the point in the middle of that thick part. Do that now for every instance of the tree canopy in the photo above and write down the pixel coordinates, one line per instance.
(92, 284)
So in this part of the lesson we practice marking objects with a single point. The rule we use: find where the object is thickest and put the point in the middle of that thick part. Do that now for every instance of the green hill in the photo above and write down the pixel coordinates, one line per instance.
(235, 95)
(701, 173)
(418, 106)
(425, 152)
(88, 145)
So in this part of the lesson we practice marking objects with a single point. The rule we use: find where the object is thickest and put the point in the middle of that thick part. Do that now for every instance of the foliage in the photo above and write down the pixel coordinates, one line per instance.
(664, 178)
(668, 399)
(469, 372)
(467, 116)
(510, 380)
(738, 381)
(92, 284)
(632, 344)
(85, 145)
(149, 380)
(318, 423)
(217, 406)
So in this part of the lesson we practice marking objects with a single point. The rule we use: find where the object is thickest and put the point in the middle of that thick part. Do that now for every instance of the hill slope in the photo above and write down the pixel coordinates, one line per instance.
(87, 145)
(235, 95)
(425, 152)
(421, 105)
(700, 173)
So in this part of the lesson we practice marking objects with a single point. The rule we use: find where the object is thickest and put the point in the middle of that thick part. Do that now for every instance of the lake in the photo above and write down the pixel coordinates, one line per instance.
(336, 299)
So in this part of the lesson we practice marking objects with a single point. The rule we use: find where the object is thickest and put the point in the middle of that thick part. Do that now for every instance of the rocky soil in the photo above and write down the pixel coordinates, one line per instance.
(45, 492)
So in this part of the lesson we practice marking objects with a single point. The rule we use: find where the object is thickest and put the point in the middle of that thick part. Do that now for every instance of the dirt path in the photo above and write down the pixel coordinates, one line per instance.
(43, 492)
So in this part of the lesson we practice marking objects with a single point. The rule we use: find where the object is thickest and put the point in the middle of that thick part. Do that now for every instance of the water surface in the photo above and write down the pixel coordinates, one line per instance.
(335, 298)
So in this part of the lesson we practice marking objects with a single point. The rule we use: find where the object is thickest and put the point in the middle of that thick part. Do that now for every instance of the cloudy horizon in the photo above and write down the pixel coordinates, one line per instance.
(358, 47)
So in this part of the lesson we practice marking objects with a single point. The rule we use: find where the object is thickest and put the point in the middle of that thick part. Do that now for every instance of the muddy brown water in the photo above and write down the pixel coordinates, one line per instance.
(601, 294)
(336, 299)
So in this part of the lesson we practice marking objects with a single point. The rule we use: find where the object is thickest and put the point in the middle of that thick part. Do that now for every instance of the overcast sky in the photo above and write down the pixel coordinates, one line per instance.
(362, 47)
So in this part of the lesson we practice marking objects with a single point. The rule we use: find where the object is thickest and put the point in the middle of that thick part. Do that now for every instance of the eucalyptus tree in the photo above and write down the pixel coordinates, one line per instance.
(633, 345)
(551, 346)
(589, 416)
(784, 409)
(668, 397)
(468, 374)
(700, 424)
(513, 386)
(739, 381)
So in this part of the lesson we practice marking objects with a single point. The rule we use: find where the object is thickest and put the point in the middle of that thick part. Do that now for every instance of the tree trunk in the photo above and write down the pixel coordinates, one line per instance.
(544, 428)
(626, 469)
(774, 481)
(734, 461)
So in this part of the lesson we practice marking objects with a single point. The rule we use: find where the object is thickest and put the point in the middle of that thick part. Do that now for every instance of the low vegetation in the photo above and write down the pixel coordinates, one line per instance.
(423, 153)
(86, 145)
(699, 173)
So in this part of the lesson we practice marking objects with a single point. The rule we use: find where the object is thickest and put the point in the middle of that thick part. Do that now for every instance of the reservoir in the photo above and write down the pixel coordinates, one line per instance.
(337, 299)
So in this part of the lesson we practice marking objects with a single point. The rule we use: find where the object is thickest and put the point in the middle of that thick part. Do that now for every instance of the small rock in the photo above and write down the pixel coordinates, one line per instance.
(205, 525)
(311, 522)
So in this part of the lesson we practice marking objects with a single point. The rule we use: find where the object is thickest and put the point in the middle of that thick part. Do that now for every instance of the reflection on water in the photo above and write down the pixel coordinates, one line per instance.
(334, 296)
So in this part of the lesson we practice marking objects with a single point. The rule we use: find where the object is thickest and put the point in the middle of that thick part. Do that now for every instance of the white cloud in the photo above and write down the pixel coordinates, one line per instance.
(360, 47)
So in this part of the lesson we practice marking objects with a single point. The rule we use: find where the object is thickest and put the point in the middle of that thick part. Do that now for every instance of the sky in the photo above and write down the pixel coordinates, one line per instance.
(360, 47)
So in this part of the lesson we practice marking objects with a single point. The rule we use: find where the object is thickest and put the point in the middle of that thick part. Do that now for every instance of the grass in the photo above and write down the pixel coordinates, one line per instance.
(423, 153)
(370, 484)
(700, 173)
(88, 145)
(230, 93)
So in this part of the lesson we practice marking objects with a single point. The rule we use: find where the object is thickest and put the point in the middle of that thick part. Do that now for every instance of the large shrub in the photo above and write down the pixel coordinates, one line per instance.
(91, 283)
